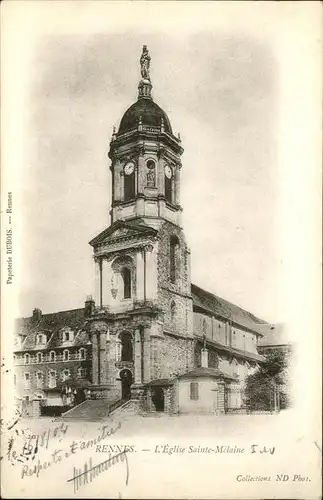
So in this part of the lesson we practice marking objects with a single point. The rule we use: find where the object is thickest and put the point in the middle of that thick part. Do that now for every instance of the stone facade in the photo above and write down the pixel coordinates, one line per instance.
(148, 325)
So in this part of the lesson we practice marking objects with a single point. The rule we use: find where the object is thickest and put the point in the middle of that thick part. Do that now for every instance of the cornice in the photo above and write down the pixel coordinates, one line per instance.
(134, 136)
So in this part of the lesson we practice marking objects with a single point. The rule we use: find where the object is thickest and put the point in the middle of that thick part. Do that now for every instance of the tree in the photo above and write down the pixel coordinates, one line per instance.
(264, 389)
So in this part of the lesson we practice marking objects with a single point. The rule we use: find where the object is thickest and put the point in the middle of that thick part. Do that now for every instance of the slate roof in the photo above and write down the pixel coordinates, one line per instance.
(208, 372)
(51, 324)
(212, 304)
(160, 382)
(149, 112)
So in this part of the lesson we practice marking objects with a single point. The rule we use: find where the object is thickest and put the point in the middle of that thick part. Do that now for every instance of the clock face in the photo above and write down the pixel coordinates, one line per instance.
(129, 168)
(168, 172)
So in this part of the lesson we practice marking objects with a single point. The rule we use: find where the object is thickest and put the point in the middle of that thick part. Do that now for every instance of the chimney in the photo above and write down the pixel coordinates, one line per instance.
(37, 314)
(89, 306)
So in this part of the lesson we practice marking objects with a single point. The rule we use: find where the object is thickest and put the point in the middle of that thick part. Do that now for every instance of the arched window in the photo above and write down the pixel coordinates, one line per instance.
(27, 359)
(66, 355)
(174, 247)
(151, 174)
(66, 375)
(126, 347)
(39, 357)
(52, 356)
(82, 353)
(40, 338)
(126, 276)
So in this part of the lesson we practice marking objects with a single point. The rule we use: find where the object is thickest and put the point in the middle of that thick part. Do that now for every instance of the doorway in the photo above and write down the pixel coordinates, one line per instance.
(126, 381)
(79, 397)
(158, 399)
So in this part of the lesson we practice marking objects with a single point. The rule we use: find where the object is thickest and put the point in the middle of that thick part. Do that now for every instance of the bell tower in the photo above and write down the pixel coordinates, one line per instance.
(142, 323)
(145, 159)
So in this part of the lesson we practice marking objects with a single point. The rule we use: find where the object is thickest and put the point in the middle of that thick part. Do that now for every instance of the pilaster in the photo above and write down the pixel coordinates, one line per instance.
(95, 359)
(137, 357)
(103, 357)
(146, 350)
(221, 397)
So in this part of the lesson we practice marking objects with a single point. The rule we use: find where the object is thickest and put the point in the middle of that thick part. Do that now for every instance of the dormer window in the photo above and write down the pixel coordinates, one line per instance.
(67, 335)
(66, 355)
(18, 341)
(41, 338)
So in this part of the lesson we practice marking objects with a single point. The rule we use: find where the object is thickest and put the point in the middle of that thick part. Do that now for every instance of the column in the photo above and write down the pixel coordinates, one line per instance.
(140, 276)
(103, 357)
(177, 186)
(97, 281)
(160, 176)
(117, 188)
(151, 272)
(221, 402)
(137, 357)
(141, 174)
(106, 285)
(146, 360)
(95, 366)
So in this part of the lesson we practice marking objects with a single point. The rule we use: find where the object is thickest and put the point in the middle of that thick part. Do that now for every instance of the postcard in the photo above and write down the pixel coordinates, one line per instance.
(161, 234)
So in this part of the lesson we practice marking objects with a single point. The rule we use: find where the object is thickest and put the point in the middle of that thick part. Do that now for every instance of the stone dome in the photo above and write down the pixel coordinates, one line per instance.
(150, 113)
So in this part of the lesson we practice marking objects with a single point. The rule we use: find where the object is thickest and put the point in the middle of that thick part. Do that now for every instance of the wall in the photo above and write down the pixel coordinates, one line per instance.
(179, 292)
(221, 331)
(46, 367)
(171, 355)
(208, 393)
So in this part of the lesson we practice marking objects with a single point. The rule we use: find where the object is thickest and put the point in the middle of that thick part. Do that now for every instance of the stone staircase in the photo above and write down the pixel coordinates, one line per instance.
(91, 410)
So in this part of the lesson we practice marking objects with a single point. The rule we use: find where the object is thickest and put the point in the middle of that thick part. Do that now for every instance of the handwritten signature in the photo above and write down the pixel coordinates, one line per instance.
(90, 471)
(24, 445)
(61, 454)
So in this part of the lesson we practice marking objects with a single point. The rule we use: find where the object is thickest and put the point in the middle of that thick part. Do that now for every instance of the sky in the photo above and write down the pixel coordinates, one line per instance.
(222, 86)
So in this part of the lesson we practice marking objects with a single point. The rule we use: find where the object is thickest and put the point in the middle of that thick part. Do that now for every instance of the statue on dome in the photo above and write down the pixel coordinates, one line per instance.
(145, 63)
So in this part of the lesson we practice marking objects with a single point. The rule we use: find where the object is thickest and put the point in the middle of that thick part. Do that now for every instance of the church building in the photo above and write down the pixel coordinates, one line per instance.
(149, 339)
